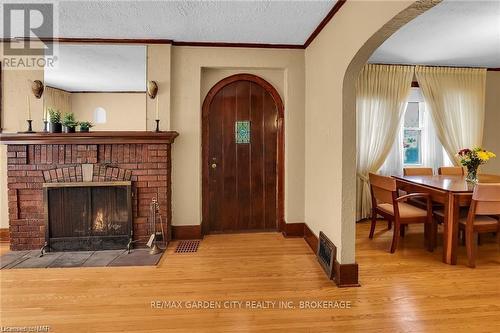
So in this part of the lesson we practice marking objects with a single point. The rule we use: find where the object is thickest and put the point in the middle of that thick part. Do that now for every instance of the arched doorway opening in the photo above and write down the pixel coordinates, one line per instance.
(349, 131)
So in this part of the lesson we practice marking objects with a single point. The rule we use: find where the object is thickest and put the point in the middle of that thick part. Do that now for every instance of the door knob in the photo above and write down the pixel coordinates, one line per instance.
(214, 165)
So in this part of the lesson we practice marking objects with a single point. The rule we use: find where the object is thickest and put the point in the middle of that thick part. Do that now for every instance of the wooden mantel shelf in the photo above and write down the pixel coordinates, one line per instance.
(104, 137)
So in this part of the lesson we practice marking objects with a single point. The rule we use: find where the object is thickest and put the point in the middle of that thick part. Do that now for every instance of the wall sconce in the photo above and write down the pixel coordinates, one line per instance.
(152, 89)
(37, 88)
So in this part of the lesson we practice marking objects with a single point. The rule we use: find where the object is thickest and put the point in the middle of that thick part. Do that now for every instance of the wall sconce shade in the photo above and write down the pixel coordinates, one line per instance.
(152, 89)
(37, 88)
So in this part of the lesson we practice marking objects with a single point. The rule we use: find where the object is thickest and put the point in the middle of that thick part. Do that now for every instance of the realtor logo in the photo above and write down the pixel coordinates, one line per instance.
(28, 21)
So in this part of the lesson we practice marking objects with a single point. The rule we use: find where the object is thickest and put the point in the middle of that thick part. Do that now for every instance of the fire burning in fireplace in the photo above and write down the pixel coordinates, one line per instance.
(99, 224)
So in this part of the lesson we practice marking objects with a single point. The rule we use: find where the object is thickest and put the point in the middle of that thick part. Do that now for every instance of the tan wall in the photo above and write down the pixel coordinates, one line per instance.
(327, 207)
(16, 85)
(158, 69)
(210, 76)
(491, 136)
(124, 111)
(283, 68)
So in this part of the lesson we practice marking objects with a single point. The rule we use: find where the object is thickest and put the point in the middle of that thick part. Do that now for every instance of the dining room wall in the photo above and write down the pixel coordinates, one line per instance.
(491, 134)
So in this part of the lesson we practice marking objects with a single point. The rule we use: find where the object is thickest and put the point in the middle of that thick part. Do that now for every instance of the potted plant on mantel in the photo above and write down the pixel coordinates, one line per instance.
(55, 121)
(69, 123)
(85, 126)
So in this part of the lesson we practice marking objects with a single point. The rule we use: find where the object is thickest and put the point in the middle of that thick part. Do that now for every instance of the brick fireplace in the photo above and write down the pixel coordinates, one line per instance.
(143, 158)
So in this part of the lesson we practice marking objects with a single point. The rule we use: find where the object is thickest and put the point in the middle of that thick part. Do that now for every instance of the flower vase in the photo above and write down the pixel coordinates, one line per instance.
(472, 174)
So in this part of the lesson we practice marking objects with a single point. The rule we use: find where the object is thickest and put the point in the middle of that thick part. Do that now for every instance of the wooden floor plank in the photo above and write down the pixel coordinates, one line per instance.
(409, 291)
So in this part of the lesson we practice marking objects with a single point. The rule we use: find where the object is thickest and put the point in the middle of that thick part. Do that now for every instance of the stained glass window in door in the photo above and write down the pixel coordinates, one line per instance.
(242, 131)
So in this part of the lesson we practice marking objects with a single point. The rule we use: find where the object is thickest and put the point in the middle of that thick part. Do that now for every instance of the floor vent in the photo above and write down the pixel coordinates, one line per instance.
(327, 252)
(187, 246)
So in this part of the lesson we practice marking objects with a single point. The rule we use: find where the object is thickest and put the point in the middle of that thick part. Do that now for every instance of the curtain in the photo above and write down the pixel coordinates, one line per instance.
(57, 99)
(381, 95)
(455, 100)
(432, 149)
(393, 164)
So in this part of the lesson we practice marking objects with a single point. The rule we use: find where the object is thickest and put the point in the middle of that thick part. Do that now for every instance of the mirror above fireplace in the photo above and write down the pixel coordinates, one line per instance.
(99, 83)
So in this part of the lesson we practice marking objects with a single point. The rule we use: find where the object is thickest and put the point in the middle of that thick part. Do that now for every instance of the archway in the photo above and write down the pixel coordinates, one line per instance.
(349, 132)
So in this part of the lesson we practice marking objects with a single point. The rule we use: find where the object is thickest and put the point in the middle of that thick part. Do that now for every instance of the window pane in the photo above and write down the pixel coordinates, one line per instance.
(412, 146)
(412, 118)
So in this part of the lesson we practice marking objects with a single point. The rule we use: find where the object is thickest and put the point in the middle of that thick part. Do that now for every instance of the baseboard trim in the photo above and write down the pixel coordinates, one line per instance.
(4, 235)
(311, 239)
(293, 229)
(186, 232)
(345, 275)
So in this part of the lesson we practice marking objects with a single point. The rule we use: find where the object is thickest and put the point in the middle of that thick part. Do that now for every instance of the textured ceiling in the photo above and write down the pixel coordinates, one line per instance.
(98, 68)
(454, 33)
(274, 22)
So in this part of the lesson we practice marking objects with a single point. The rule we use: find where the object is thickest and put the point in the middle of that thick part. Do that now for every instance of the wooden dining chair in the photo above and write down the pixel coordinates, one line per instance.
(385, 202)
(483, 217)
(419, 201)
(418, 172)
(451, 171)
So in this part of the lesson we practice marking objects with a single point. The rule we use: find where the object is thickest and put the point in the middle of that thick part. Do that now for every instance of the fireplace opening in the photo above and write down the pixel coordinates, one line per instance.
(88, 216)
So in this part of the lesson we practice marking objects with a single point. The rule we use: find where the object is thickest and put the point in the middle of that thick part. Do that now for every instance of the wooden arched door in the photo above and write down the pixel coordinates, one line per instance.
(242, 156)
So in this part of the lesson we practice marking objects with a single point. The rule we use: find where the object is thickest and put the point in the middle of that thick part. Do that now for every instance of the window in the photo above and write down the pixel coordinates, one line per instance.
(417, 143)
(412, 134)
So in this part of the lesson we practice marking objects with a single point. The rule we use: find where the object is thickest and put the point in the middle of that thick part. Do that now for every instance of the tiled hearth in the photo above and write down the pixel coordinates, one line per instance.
(36, 159)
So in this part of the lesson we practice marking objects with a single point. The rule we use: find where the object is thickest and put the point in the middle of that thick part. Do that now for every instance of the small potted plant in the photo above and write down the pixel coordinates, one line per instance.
(85, 126)
(69, 122)
(54, 121)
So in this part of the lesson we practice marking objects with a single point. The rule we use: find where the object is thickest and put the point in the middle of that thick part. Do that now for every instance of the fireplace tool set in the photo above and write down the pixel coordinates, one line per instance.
(154, 216)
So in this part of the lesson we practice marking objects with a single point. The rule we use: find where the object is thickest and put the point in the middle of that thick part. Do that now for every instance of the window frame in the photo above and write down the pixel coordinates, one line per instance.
(421, 129)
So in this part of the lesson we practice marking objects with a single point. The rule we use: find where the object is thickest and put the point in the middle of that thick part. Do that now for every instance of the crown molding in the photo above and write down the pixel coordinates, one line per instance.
(324, 22)
(81, 40)
(78, 40)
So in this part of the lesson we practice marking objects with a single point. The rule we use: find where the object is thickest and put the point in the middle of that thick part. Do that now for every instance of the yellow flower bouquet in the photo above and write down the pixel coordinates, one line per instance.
(472, 159)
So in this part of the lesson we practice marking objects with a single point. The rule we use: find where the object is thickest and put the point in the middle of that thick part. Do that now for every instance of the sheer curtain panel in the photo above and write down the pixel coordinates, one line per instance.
(381, 95)
(455, 98)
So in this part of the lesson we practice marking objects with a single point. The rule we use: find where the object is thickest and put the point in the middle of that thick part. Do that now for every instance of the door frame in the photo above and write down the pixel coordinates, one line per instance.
(280, 158)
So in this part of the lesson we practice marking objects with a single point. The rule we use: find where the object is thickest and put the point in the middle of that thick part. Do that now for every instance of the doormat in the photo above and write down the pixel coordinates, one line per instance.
(106, 258)
(187, 246)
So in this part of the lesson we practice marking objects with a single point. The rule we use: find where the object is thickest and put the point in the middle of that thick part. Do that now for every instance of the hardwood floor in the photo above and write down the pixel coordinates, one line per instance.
(409, 291)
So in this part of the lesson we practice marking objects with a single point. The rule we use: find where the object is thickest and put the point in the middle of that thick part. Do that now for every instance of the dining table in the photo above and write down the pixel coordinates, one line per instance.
(452, 192)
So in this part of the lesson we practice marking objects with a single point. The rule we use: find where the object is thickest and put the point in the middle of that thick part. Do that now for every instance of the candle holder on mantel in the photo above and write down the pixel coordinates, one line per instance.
(45, 126)
(157, 125)
(30, 127)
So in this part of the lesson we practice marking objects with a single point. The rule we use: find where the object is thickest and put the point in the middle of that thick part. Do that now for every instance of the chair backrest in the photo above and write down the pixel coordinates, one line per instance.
(417, 171)
(451, 171)
(383, 188)
(487, 199)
